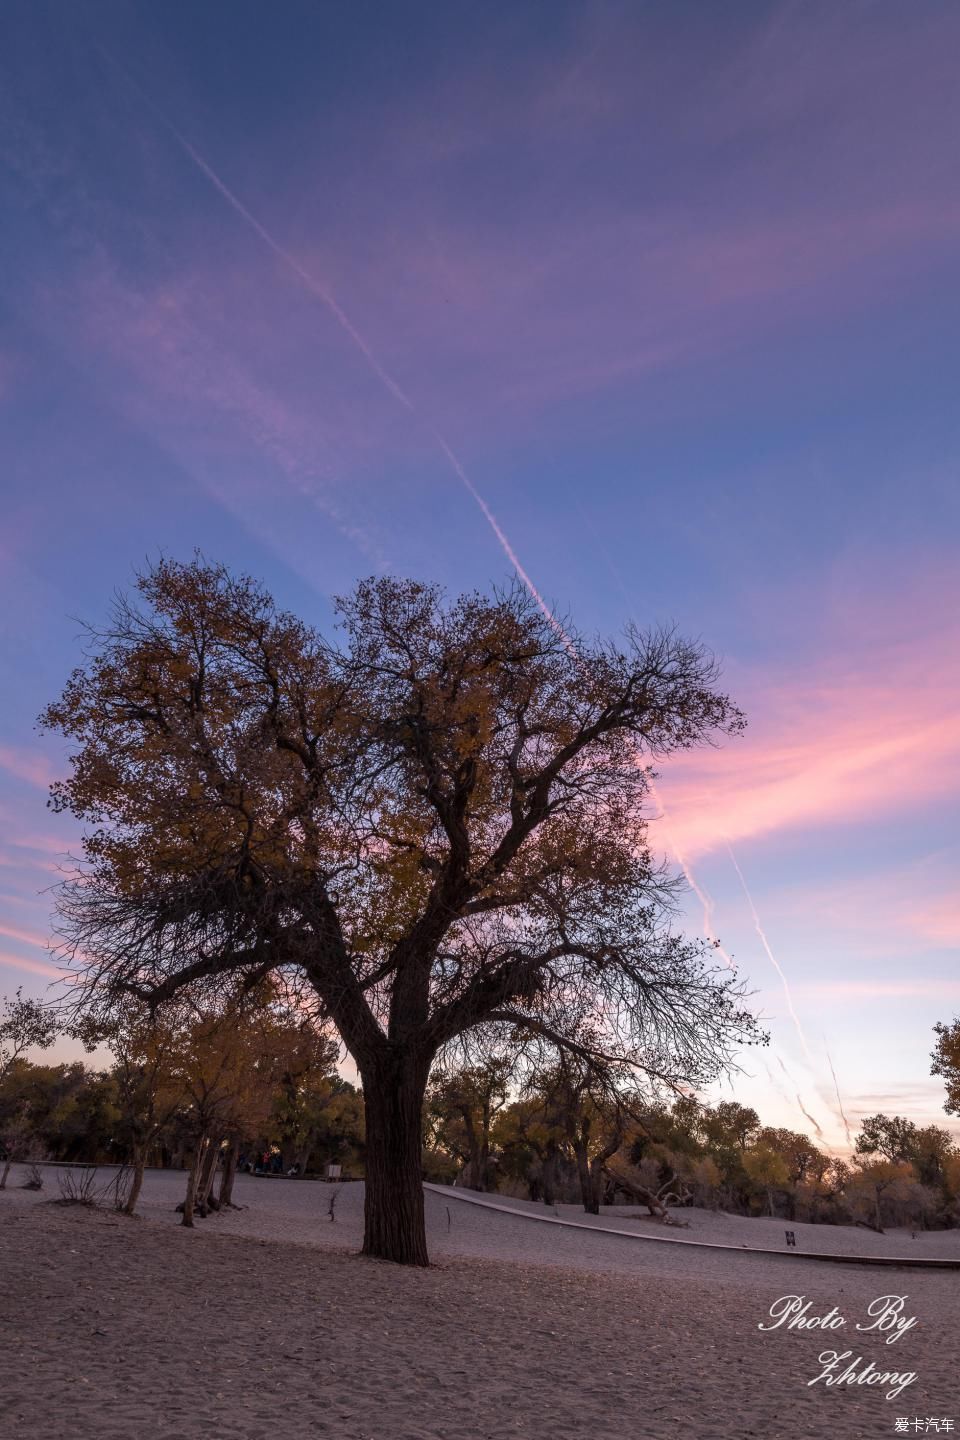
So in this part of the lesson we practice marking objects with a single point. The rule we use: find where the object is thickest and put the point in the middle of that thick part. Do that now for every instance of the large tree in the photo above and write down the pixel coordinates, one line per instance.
(433, 823)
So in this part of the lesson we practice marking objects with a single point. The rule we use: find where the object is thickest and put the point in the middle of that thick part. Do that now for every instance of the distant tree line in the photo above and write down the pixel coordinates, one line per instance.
(563, 1140)
(252, 1080)
(256, 1079)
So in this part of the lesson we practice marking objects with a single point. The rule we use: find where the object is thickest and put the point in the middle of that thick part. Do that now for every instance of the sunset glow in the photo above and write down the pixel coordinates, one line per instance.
(665, 324)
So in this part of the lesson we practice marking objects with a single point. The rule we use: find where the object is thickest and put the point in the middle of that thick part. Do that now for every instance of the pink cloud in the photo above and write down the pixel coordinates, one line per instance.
(877, 989)
(868, 718)
(511, 321)
(826, 758)
(28, 765)
(29, 937)
(522, 305)
(46, 844)
(937, 920)
(33, 967)
(892, 910)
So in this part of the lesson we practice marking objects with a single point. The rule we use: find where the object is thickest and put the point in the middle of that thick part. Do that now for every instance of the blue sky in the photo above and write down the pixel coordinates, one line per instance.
(671, 290)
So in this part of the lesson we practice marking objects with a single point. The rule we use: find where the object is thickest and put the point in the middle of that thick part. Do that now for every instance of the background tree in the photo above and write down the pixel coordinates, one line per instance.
(767, 1170)
(802, 1157)
(931, 1149)
(338, 1135)
(892, 1136)
(874, 1182)
(946, 1062)
(298, 1115)
(36, 1102)
(529, 1135)
(305, 1054)
(146, 1079)
(149, 1094)
(232, 1063)
(728, 1125)
(24, 1025)
(462, 1106)
(591, 1117)
(901, 1142)
(436, 825)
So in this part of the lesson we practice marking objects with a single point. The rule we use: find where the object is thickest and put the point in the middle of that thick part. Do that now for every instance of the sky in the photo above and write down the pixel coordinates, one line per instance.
(657, 302)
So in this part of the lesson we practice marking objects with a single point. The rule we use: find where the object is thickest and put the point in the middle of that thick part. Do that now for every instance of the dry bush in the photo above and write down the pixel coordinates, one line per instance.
(34, 1180)
(78, 1187)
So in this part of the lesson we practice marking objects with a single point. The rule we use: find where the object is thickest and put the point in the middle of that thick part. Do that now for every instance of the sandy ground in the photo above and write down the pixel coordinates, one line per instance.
(263, 1323)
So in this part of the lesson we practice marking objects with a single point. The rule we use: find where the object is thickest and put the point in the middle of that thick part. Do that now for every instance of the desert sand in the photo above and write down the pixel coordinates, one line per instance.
(265, 1322)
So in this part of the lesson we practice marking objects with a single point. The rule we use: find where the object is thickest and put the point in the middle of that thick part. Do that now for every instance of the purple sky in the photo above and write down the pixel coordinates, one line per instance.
(661, 300)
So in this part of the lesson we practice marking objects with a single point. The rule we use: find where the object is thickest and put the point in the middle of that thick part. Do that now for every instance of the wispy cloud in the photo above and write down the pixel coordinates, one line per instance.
(28, 937)
(878, 989)
(32, 967)
(881, 909)
(28, 765)
(869, 710)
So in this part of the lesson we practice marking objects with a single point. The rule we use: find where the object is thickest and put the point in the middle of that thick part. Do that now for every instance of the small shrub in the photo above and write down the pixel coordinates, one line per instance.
(34, 1180)
(78, 1187)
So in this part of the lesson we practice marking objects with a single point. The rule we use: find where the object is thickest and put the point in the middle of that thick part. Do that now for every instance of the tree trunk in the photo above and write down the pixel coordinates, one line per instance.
(472, 1169)
(6, 1172)
(548, 1175)
(192, 1178)
(228, 1174)
(640, 1192)
(136, 1179)
(304, 1153)
(207, 1173)
(393, 1091)
(589, 1184)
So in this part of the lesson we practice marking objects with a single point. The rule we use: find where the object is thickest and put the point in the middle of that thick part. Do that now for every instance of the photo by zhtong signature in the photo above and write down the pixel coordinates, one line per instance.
(841, 1367)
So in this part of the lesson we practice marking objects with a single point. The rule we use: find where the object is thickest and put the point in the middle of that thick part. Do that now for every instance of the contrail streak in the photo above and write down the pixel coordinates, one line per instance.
(705, 899)
(505, 544)
(843, 1113)
(326, 297)
(770, 955)
(796, 1095)
(809, 1117)
(318, 290)
(776, 1083)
